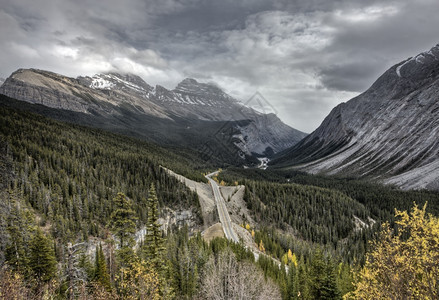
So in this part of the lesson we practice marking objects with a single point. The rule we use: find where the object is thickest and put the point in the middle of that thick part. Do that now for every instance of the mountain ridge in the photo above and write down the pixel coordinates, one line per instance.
(114, 97)
(388, 133)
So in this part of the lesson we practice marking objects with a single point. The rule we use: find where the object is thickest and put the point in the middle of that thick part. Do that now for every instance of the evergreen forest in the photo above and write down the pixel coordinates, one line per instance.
(82, 214)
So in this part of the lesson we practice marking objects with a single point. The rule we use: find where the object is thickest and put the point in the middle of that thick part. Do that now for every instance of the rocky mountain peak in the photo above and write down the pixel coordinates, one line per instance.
(130, 78)
(192, 86)
(189, 81)
(424, 58)
(420, 66)
(405, 77)
(161, 89)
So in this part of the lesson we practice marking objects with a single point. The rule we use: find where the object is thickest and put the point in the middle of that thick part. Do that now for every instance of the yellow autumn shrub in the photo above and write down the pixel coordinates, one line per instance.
(403, 264)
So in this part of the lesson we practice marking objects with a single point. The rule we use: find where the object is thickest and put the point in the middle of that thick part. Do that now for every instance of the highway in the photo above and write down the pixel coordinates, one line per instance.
(223, 213)
(225, 220)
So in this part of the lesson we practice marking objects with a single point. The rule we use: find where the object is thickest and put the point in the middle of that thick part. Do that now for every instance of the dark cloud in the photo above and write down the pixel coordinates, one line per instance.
(304, 56)
(352, 76)
(213, 15)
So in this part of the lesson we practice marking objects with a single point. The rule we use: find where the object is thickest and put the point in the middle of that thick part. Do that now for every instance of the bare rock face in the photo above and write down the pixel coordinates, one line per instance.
(61, 92)
(46, 88)
(199, 100)
(257, 136)
(125, 96)
(390, 132)
(256, 132)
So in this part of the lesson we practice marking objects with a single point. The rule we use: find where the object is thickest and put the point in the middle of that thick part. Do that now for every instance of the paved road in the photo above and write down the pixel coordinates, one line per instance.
(224, 216)
(225, 220)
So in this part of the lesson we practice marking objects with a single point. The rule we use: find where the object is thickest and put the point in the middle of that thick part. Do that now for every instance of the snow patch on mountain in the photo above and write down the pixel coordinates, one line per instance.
(422, 58)
(127, 83)
(100, 83)
(398, 69)
(111, 81)
(263, 162)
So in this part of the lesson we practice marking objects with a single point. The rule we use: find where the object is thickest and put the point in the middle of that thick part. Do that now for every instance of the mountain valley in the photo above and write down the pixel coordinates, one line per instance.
(129, 191)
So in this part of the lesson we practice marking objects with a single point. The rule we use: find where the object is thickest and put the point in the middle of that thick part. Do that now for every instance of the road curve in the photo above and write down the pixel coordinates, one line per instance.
(224, 216)
(226, 222)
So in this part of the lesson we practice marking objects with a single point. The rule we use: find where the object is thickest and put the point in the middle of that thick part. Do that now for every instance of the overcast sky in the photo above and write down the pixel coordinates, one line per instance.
(304, 56)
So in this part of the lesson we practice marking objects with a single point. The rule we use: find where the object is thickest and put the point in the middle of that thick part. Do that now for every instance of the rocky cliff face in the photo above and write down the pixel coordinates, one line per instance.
(199, 100)
(45, 88)
(117, 97)
(61, 92)
(256, 137)
(259, 133)
(390, 132)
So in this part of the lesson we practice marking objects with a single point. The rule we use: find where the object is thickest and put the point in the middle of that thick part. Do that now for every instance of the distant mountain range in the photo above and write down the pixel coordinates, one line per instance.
(389, 133)
(195, 115)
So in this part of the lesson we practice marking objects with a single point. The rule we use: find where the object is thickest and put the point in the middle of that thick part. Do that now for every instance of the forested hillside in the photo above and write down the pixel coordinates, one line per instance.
(212, 141)
(69, 174)
(62, 184)
(341, 214)
(74, 197)
(316, 215)
(381, 200)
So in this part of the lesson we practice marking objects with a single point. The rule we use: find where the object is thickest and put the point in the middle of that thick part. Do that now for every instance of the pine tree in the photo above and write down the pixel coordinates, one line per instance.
(101, 272)
(153, 246)
(123, 220)
(322, 280)
(329, 289)
(302, 279)
(293, 282)
(20, 226)
(344, 279)
(42, 257)
(123, 226)
(15, 252)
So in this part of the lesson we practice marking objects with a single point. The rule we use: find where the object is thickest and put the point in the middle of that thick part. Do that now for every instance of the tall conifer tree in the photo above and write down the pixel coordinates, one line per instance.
(101, 272)
(153, 246)
(42, 257)
(123, 220)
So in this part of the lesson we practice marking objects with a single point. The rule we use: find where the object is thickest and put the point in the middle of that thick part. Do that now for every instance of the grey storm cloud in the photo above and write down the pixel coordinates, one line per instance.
(304, 56)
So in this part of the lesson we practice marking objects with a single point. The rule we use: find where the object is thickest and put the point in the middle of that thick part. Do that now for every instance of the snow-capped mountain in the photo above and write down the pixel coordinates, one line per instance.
(61, 92)
(127, 99)
(199, 100)
(1, 81)
(123, 82)
(390, 132)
